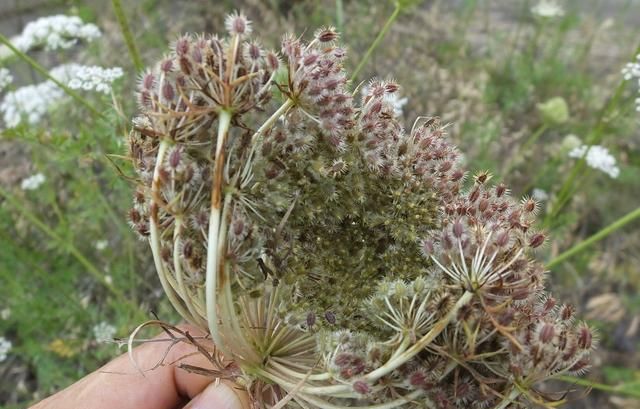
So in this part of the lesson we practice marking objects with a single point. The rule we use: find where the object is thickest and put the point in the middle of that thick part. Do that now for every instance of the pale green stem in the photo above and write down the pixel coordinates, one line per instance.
(600, 386)
(211, 280)
(509, 399)
(154, 238)
(594, 137)
(126, 33)
(70, 247)
(184, 293)
(388, 405)
(376, 42)
(621, 222)
(340, 16)
(274, 117)
(4, 40)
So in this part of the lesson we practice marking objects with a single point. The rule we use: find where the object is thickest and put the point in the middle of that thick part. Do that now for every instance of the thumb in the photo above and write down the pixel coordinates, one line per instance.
(218, 395)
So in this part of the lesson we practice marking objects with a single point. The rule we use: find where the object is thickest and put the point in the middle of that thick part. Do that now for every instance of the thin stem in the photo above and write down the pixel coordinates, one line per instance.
(621, 222)
(340, 16)
(274, 117)
(154, 237)
(377, 41)
(184, 293)
(126, 33)
(600, 386)
(509, 399)
(437, 328)
(593, 138)
(4, 40)
(69, 246)
(388, 405)
(212, 273)
(397, 360)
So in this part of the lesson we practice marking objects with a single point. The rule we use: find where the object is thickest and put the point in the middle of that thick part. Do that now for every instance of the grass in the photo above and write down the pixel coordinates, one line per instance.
(58, 285)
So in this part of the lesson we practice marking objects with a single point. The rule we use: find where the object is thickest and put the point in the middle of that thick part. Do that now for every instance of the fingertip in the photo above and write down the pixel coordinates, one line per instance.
(217, 395)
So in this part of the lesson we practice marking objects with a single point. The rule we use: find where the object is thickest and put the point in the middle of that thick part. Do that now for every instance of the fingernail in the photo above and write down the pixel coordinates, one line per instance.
(219, 396)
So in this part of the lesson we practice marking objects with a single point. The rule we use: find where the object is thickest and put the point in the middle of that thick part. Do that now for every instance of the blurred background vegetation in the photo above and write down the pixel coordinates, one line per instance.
(519, 90)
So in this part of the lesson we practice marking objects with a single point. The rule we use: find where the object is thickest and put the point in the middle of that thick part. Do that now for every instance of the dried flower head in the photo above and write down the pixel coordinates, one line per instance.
(334, 256)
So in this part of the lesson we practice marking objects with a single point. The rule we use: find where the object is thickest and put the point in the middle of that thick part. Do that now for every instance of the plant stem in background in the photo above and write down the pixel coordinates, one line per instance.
(621, 222)
(377, 41)
(602, 387)
(4, 40)
(340, 16)
(126, 33)
(593, 138)
(70, 247)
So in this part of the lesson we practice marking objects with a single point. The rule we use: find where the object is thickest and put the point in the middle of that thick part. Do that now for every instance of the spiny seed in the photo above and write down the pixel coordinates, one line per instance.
(168, 92)
(174, 158)
(330, 317)
(458, 229)
(327, 35)
(546, 333)
(566, 312)
(585, 337)
(361, 387)
(166, 65)
(537, 240)
(311, 319)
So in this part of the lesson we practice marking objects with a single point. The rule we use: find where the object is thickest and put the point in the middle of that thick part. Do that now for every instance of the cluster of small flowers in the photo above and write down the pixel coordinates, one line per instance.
(95, 78)
(55, 32)
(547, 9)
(5, 78)
(5, 347)
(104, 332)
(32, 182)
(598, 157)
(32, 102)
(632, 71)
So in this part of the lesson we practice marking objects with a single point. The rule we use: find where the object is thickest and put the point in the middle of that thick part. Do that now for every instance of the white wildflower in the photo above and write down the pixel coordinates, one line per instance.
(547, 9)
(104, 332)
(101, 244)
(5, 314)
(32, 182)
(394, 98)
(540, 195)
(632, 71)
(32, 102)
(5, 78)
(598, 157)
(95, 78)
(5, 347)
(55, 32)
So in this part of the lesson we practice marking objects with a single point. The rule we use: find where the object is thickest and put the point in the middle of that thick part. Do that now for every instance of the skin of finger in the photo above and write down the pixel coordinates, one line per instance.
(119, 385)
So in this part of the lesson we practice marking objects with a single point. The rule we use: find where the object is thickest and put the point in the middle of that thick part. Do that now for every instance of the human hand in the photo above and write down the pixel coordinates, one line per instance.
(118, 385)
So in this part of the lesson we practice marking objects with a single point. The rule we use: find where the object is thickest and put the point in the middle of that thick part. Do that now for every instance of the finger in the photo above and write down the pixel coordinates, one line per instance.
(216, 396)
(119, 385)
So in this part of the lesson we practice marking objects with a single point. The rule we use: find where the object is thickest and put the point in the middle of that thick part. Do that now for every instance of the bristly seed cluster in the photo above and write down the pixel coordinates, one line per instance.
(333, 255)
